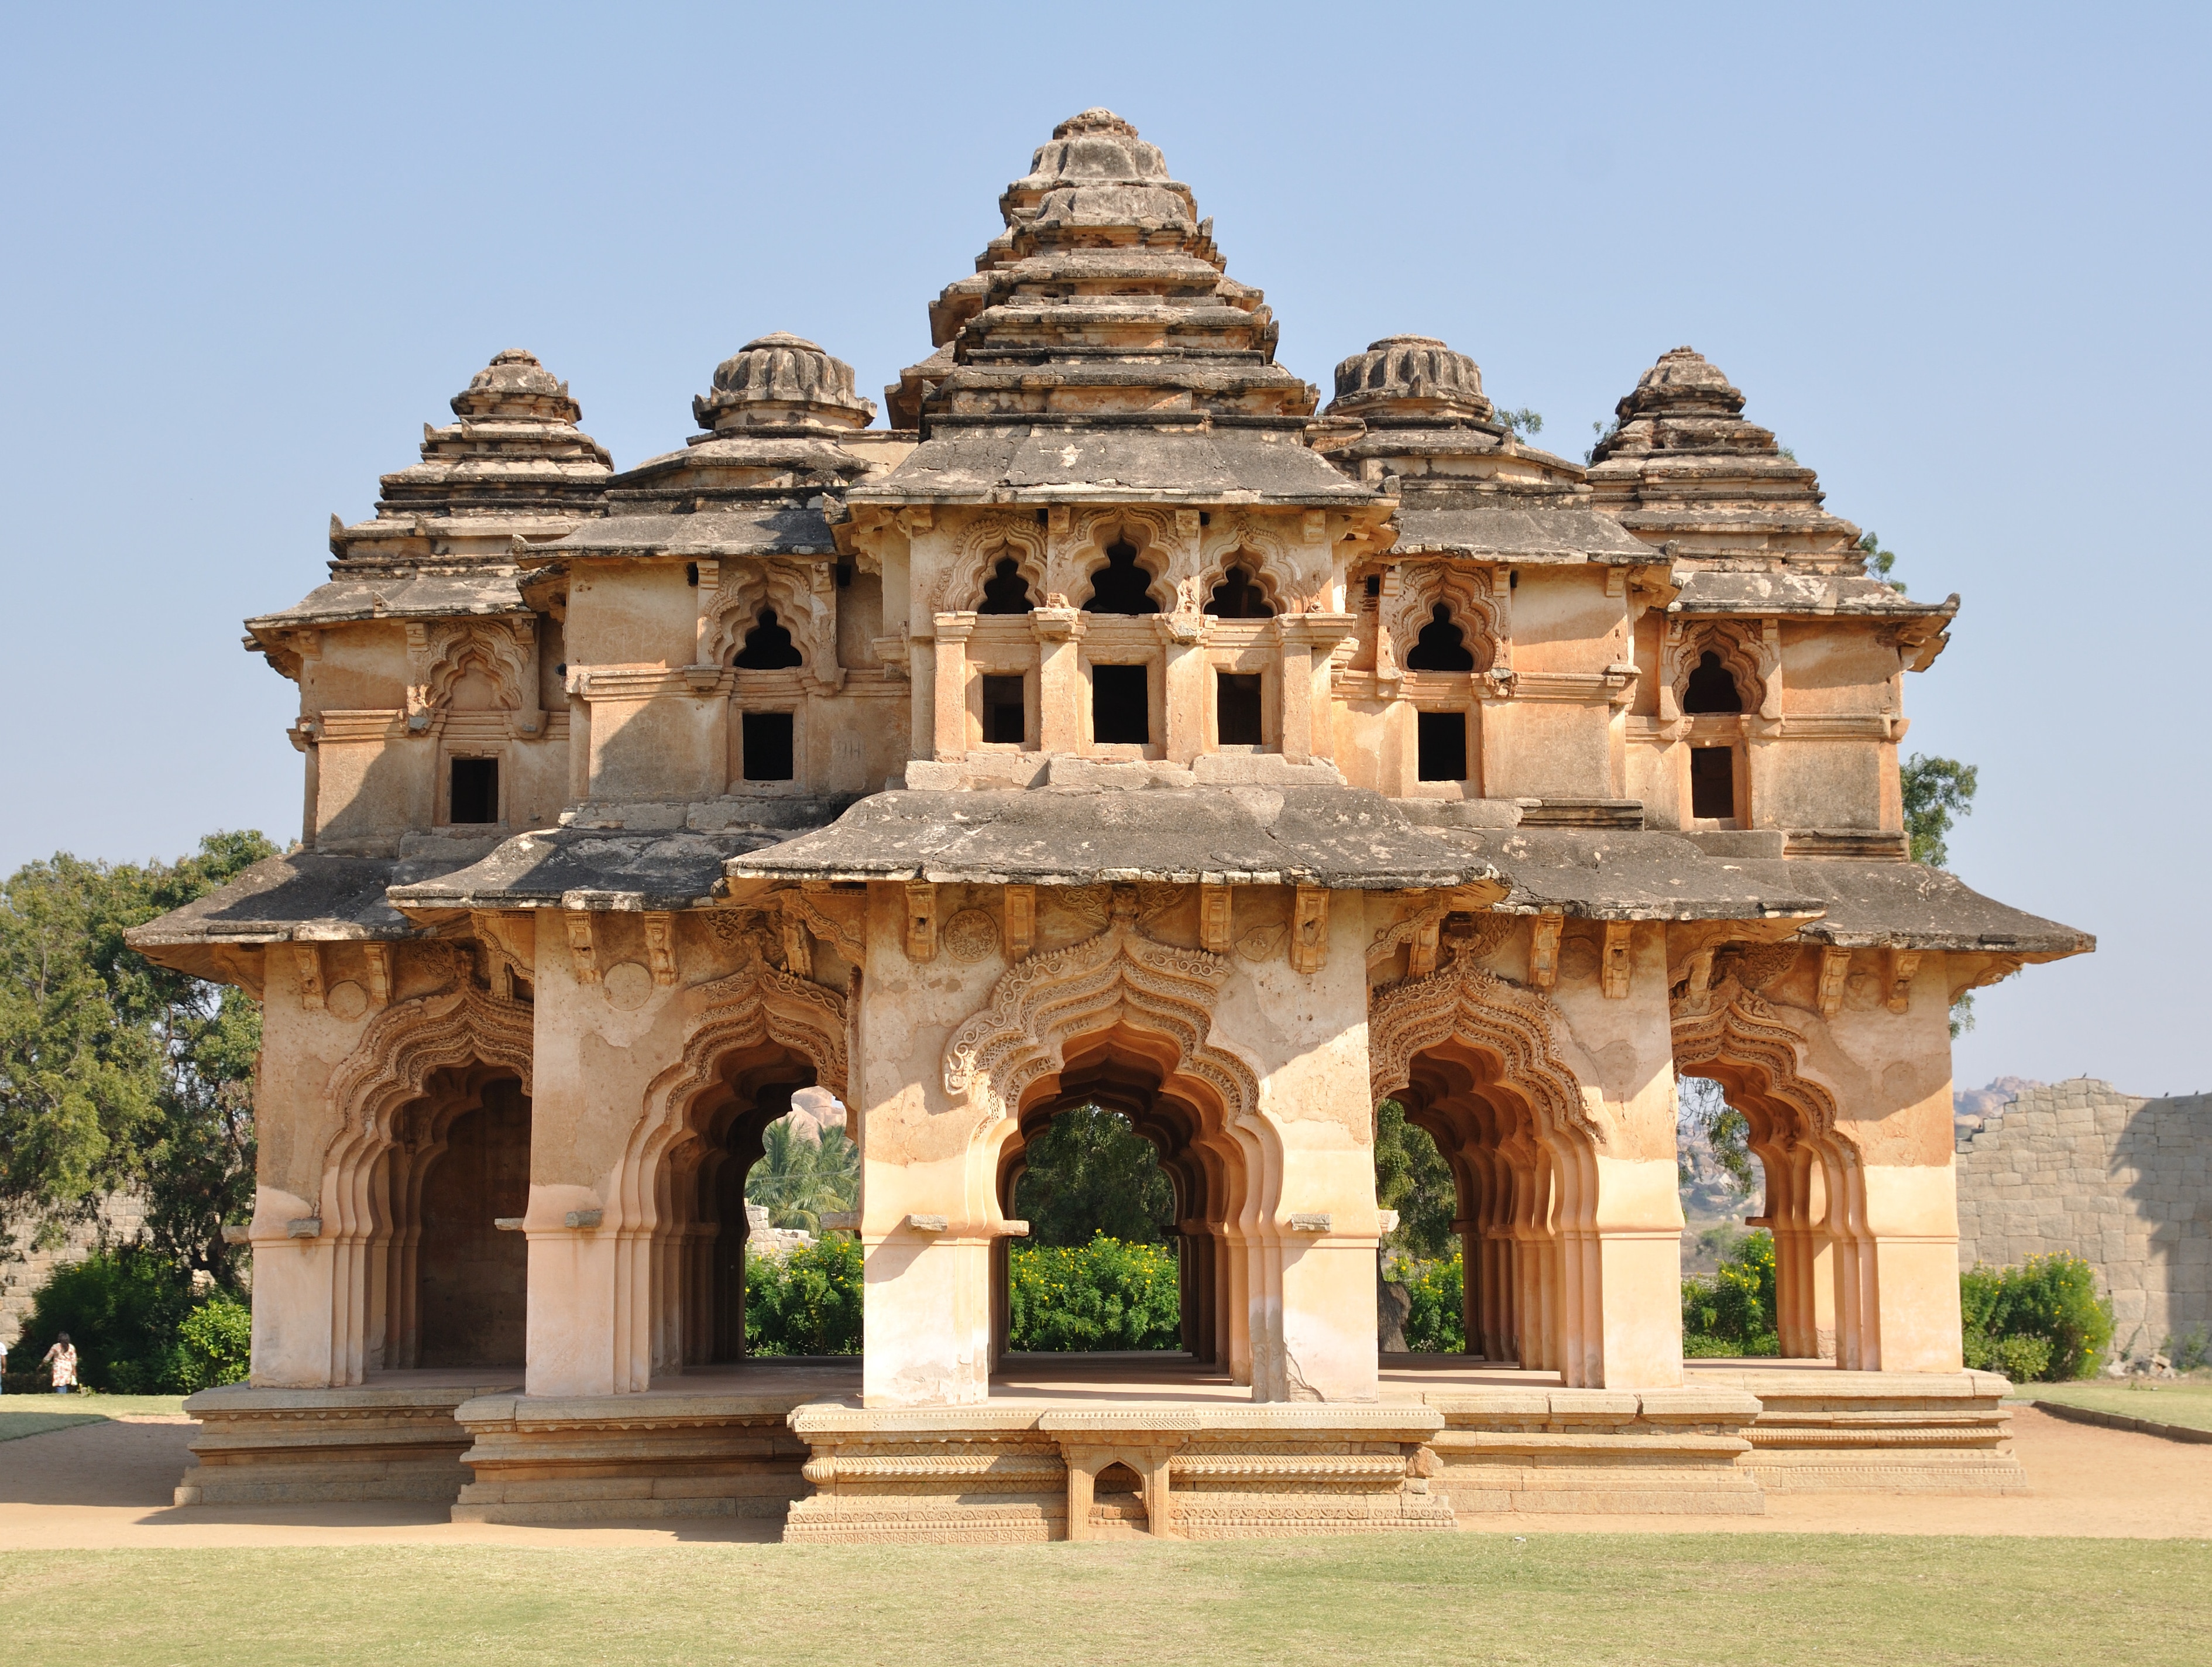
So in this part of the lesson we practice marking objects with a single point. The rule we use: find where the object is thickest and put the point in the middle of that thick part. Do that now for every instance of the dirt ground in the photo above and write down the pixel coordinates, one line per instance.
(107, 1485)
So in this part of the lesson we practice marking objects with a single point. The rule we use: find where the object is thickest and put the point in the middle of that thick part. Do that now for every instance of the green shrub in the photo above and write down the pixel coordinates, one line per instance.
(1435, 1319)
(805, 1301)
(1733, 1312)
(122, 1309)
(2048, 1300)
(215, 1345)
(1107, 1294)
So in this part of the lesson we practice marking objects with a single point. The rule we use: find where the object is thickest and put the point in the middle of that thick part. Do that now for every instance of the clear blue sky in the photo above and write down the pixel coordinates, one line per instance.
(1956, 259)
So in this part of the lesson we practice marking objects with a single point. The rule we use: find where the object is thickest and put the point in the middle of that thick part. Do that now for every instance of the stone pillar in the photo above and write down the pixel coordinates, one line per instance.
(1308, 639)
(1183, 727)
(949, 710)
(1059, 677)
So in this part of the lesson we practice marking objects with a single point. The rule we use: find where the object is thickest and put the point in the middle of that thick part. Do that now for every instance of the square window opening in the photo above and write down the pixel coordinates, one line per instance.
(768, 746)
(474, 796)
(1121, 706)
(1712, 782)
(1005, 712)
(1237, 708)
(1442, 745)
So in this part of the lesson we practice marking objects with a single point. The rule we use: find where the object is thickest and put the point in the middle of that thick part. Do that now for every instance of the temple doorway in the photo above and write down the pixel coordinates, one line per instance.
(453, 1187)
(1107, 1150)
(1099, 1271)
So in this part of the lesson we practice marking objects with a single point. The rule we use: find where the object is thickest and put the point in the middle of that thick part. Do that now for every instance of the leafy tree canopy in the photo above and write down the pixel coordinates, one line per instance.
(1412, 1177)
(798, 1182)
(1091, 1173)
(1937, 791)
(115, 1075)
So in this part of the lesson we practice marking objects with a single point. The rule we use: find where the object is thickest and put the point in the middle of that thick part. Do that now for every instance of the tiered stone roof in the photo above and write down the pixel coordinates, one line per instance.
(1099, 325)
(775, 416)
(1683, 469)
(515, 465)
(1465, 485)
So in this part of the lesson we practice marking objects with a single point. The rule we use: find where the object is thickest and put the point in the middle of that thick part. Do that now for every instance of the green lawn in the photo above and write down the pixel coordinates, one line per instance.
(1466, 1598)
(34, 1415)
(2189, 1402)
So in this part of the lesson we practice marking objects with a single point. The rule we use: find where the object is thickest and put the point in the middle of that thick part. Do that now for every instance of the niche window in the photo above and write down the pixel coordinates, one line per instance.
(1711, 689)
(768, 648)
(474, 791)
(1712, 782)
(1120, 586)
(767, 739)
(1121, 706)
(1237, 598)
(1441, 746)
(1005, 591)
(1442, 646)
(1236, 708)
(1004, 711)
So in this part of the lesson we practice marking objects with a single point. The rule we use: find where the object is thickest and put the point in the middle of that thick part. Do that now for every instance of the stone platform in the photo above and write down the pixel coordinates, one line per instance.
(395, 1438)
(1104, 1446)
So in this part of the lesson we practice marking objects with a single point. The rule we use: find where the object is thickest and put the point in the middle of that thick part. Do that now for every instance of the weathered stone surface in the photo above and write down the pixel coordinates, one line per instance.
(2100, 1190)
(1117, 730)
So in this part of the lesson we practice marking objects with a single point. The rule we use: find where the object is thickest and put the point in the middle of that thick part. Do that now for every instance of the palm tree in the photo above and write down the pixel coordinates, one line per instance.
(798, 1182)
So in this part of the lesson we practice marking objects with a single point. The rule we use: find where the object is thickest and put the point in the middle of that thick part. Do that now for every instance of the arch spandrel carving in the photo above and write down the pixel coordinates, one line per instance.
(983, 544)
(398, 1051)
(1721, 1021)
(1752, 659)
(443, 652)
(804, 601)
(1160, 552)
(1464, 1002)
(1117, 977)
(1465, 591)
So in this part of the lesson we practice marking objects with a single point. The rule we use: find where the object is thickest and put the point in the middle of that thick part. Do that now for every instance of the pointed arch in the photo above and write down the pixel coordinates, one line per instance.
(766, 1024)
(1744, 651)
(985, 542)
(1464, 1002)
(1470, 603)
(460, 1030)
(1815, 1191)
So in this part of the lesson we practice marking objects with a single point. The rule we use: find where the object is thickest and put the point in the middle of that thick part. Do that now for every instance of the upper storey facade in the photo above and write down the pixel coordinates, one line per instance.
(1110, 542)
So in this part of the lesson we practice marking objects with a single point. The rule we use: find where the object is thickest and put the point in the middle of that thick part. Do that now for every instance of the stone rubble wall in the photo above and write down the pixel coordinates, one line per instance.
(22, 1273)
(2123, 1182)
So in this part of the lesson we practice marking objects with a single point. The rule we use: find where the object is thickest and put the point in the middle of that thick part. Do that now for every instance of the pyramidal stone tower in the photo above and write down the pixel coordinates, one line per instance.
(1116, 728)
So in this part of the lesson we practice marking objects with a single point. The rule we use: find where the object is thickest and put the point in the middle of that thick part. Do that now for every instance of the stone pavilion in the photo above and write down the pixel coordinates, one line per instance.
(1120, 725)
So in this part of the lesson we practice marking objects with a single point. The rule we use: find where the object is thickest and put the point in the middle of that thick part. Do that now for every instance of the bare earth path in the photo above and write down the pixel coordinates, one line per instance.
(107, 1485)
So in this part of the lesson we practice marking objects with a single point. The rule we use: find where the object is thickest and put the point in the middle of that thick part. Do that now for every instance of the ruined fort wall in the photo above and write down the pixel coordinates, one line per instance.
(2123, 1182)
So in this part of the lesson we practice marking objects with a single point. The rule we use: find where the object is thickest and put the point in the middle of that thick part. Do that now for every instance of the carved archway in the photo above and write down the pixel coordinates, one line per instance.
(804, 601)
(1465, 593)
(1726, 1030)
(1117, 1017)
(461, 1032)
(1748, 655)
(1475, 1060)
(985, 542)
(756, 1029)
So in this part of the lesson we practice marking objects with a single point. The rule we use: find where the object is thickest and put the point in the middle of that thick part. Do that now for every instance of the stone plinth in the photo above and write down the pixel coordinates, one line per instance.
(1673, 1453)
(1820, 1430)
(710, 1451)
(1028, 1471)
(391, 1440)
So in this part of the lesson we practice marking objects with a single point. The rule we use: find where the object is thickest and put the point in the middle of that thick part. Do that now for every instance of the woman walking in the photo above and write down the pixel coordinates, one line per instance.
(62, 1357)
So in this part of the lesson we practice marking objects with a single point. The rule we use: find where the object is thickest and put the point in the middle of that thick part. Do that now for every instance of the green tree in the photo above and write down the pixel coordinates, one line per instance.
(798, 1181)
(1702, 1108)
(1937, 791)
(1090, 1173)
(116, 1074)
(1880, 562)
(1521, 423)
(1412, 1177)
